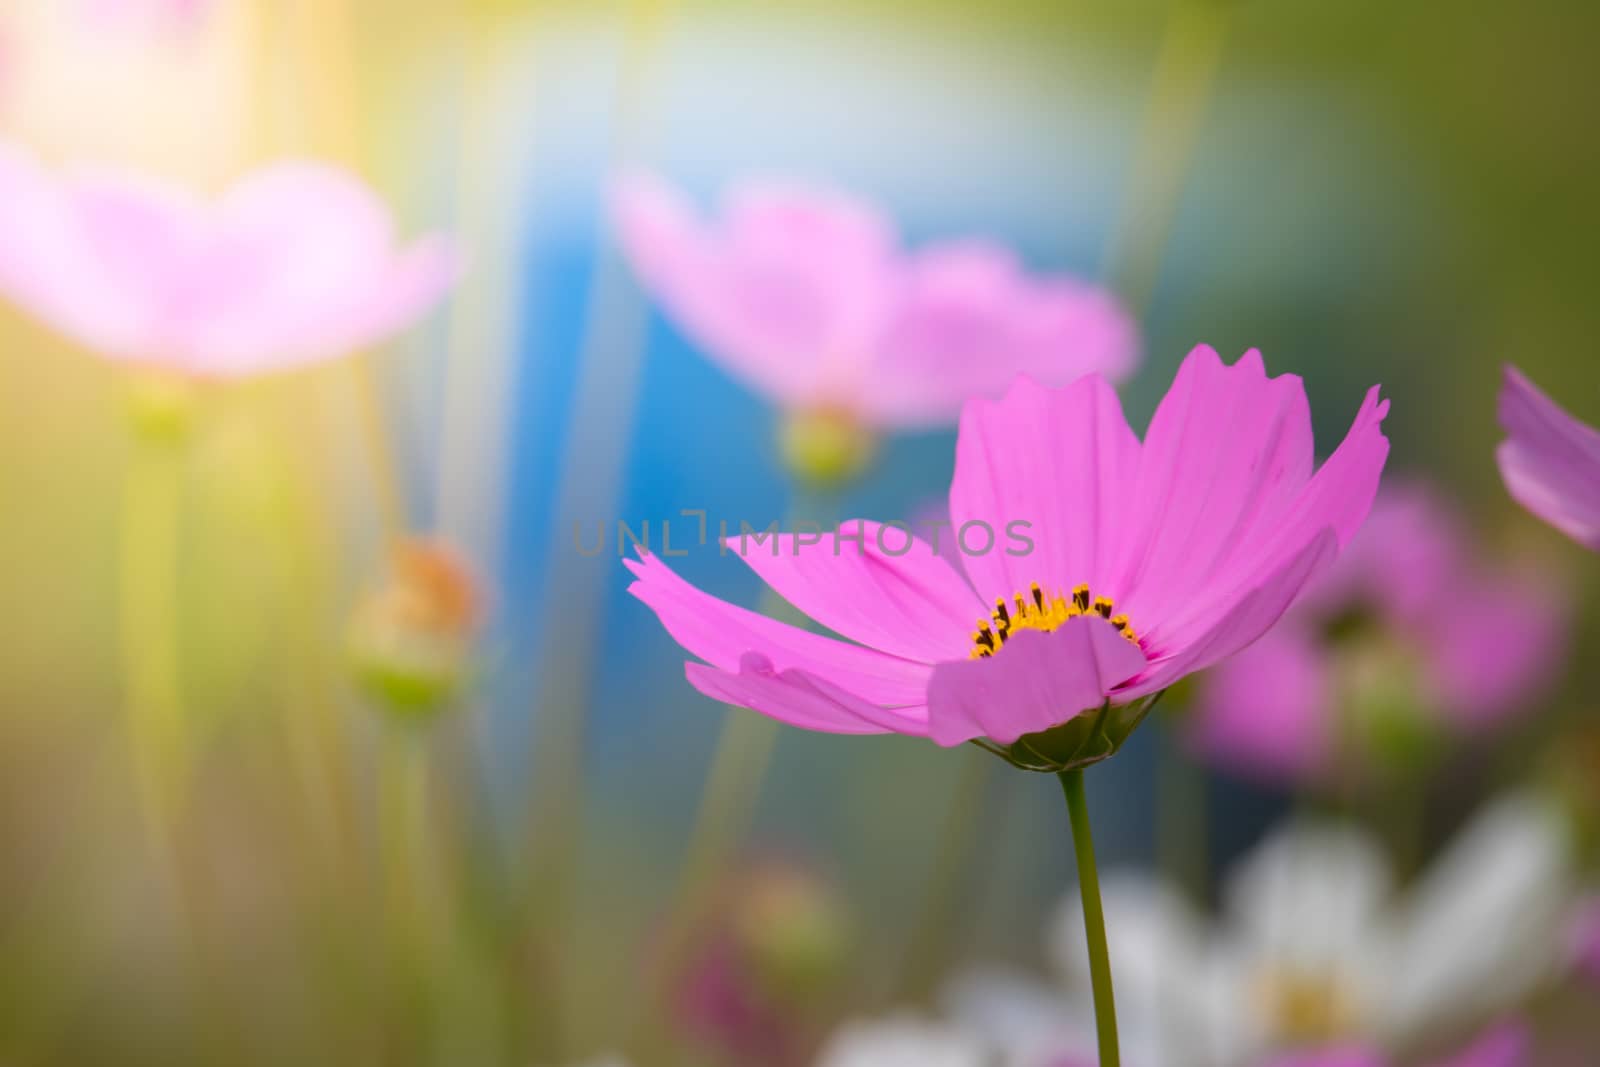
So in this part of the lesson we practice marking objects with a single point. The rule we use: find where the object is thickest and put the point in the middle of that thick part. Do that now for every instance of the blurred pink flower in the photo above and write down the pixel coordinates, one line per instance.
(295, 263)
(1551, 461)
(177, 13)
(1411, 584)
(775, 940)
(1505, 1045)
(1584, 940)
(1143, 563)
(805, 296)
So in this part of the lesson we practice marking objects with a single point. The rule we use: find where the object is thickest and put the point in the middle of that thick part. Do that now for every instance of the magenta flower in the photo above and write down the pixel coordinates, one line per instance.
(295, 263)
(1550, 461)
(805, 296)
(1395, 637)
(1101, 569)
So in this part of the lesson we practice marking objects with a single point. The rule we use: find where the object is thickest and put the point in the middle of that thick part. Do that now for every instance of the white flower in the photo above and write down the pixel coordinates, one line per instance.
(1035, 1024)
(1314, 946)
(903, 1042)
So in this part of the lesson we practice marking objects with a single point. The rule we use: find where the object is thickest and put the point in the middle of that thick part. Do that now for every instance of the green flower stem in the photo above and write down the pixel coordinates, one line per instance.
(149, 601)
(406, 848)
(1094, 919)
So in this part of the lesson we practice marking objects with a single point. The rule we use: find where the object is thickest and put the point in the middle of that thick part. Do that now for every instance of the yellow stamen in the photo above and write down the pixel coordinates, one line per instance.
(1040, 610)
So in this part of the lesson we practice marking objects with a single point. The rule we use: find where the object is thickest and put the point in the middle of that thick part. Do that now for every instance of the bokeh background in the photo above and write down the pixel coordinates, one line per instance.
(1367, 192)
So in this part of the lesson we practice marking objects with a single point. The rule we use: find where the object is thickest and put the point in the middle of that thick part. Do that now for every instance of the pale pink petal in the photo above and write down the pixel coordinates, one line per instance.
(969, 320)
(801, 699)
(411, 285)
(722, 635)
(676, 259)
(1242, 621)
(878, 585)
(788, 290)
(1551, 461)
(1055, 466)
(1268, 712)
(1038, 680)
(1228, 452)
(295, 262)
(134, 237)
(90, 259)
(300, 252)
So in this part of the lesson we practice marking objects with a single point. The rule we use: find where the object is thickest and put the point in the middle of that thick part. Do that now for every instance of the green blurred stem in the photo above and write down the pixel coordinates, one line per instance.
(924, 960)
(1180, 93)
(744, 752)
(151, 506)
(403, 828)
(1094, 919)
(1183, 838)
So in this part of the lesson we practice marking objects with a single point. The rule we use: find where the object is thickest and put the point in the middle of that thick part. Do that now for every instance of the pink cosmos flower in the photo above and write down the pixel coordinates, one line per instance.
(296, 263)
(804, 295)
(1551, 461)
(1397, 627)
(1143, 562)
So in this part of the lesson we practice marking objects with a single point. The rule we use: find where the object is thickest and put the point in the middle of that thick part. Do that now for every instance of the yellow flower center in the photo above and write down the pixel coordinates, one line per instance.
(1307, 1008)
(1038, 610)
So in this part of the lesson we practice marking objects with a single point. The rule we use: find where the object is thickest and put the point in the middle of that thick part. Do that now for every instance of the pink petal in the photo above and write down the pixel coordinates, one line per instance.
(787, 291)
(910, 603)
(1338, 498)
(1244, 621)
(801, 699)
(1038, 680)
(301, 251)
(969, 320)
(90, 259)
(1268, 711)
(1227, 453)
(1058, 462)
(406, 289)
(296, 262)
(722, 635)
(1551, 461)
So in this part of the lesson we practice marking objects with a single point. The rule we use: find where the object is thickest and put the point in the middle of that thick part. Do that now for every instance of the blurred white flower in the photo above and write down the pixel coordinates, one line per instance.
(903, 1042)
(1314, 947)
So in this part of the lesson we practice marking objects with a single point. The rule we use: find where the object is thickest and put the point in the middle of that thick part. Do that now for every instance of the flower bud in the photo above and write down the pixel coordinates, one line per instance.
(792, 927)
(410, 641)
(825, 447)
(764, 959)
